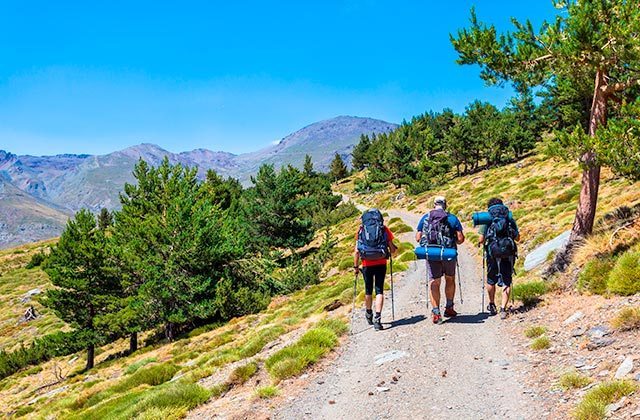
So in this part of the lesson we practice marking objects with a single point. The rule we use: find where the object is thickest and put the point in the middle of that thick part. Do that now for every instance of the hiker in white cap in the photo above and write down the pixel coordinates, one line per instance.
(439, 227)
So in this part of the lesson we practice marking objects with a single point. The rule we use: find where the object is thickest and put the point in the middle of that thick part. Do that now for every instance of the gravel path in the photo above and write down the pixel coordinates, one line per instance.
(463, 369)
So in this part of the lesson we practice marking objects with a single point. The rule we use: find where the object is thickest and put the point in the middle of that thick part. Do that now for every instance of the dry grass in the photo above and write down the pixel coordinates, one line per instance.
(627, 319)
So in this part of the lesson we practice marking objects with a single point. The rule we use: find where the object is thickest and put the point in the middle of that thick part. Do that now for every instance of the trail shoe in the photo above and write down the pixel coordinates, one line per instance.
(492, 309)
(450, 312)
(503, 313)
(377, 324)
(436, 317)
(369, 316)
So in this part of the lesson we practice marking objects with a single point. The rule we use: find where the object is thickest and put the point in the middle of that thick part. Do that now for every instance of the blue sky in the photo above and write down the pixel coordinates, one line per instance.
(94, 77)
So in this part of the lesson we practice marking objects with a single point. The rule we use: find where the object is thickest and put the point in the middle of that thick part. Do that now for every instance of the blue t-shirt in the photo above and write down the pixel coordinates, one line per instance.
(454, 222)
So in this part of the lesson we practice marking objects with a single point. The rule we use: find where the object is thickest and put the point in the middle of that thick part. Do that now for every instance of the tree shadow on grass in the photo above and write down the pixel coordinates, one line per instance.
(478, 318)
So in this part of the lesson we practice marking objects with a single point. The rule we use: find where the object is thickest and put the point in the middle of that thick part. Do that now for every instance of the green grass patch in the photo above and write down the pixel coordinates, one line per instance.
(541, 343)
(529, 292)
(407, 256)
(405, 246)
(242, 374)
(293, 359)
(266, 392)
(573, 380)
(256, 343)
(627, 319)
(535, 331)
(219, 390)
(345, 263)
(594, 404)
(153, 375)
(624, 278)
(594, 275)
(401, 228)
(132, 368)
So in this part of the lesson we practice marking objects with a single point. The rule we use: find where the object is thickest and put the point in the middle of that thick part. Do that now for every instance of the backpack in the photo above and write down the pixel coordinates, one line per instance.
(436, 230)
(372, 236)
(500, 235)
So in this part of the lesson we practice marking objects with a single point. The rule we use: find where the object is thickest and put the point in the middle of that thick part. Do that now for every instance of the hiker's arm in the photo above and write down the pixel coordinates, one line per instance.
(418, 236)
(356, 259)
(481, 240)
(392, 247)
(459, 237)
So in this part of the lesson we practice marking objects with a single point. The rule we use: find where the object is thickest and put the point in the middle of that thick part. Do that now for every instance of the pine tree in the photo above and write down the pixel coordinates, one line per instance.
(105, 219)
(591, 49)
(176, 243)
(359, 154)
(308, 167)
(338, 169)
(86, 283)
(276, 207)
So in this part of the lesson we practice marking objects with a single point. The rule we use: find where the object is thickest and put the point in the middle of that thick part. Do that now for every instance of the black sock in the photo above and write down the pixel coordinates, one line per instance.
(369, 311)
(378, 315)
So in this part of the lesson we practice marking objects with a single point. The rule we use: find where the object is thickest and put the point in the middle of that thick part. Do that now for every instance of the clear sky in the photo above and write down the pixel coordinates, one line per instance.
(94, 77)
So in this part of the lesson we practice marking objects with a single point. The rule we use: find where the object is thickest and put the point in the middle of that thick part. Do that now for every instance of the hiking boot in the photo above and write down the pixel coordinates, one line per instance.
(437, 318)
(369, 316)
(503, 313)
(450, 312)
(492, 309)
(377, 324)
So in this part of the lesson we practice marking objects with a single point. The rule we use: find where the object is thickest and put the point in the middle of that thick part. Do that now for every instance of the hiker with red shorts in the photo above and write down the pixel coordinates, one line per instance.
(441, 228)
(374, 244)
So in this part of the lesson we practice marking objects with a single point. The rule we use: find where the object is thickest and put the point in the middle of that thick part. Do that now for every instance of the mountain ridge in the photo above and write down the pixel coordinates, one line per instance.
(69, 182)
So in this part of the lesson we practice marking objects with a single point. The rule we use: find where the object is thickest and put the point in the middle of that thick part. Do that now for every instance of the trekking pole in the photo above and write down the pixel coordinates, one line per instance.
(393, 312)
(427, 283)
(482, 278)
(355, 291)
(459, 282)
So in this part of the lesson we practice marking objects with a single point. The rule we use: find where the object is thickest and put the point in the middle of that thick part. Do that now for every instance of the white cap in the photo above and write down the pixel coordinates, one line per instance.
(440, 200)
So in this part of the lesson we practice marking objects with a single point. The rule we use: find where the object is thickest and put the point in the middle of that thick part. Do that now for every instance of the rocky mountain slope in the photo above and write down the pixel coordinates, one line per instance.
(25, 218)
(72, 182)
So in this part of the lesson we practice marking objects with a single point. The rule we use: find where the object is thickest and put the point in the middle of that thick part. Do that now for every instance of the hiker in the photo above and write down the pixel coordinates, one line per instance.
(374, 243)
(439, 227)
(500, 250)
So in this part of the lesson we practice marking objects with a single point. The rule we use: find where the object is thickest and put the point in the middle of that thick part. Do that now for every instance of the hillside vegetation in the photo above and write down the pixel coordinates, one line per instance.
(167, 379)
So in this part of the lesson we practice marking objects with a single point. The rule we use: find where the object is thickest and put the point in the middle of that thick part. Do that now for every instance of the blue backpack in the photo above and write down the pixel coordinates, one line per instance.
(372, 236)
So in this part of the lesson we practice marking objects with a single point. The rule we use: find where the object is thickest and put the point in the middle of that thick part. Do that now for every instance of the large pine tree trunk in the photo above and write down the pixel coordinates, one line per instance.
(133, 342)
(91, 351)
(586, 211)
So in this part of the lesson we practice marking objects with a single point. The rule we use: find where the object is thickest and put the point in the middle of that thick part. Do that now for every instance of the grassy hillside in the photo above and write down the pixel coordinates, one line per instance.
(253, 356)
(541, 192)
(15, 282)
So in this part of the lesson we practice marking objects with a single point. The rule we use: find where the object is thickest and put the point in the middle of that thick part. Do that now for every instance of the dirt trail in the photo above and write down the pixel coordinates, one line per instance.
(463, 369)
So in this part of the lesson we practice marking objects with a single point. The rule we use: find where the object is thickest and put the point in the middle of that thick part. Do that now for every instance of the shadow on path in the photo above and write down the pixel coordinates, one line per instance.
(406, 321)
(469, 319)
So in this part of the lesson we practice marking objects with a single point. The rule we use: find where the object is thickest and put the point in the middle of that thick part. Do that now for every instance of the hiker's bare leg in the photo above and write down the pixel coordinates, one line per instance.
(368, 301)
(379, 302)
(450, 287)
(505, 296)
(434, 286)
(491, 290)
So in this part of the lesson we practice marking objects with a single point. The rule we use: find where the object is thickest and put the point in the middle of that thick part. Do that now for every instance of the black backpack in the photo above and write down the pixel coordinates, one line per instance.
(500, 235)
(436, 230)
(372, 236)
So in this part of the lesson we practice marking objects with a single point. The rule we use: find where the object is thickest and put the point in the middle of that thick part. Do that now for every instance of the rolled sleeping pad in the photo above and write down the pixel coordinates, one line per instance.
(436, 253)
(484, 218)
